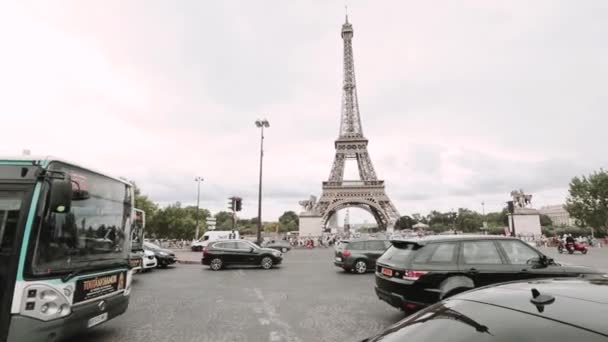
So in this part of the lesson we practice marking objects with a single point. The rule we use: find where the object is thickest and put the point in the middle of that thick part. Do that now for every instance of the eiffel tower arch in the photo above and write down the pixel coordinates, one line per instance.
(368, 192)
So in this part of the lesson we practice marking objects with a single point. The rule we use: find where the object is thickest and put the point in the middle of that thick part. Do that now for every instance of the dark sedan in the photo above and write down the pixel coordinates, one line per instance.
(219, 254)
(418, 272)
(165, 257)
(538, 310)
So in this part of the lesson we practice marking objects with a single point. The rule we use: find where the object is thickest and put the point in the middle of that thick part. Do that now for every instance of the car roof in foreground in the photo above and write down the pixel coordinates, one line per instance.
(582, 302)
(446, 238)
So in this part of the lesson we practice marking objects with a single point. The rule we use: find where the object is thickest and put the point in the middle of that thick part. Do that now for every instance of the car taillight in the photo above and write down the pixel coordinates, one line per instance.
(413, 275)
(346, 253)
(205, 251)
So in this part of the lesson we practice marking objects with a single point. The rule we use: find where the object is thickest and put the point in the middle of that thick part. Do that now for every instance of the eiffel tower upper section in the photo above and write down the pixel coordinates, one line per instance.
(351, 144)
(350, 125)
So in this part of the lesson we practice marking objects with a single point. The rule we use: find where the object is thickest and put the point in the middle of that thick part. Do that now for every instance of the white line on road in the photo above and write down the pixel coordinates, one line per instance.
(272, 316)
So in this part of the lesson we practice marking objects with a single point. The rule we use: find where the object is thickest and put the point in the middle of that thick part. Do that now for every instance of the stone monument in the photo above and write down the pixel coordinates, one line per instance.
(310, 219)
(524, 221)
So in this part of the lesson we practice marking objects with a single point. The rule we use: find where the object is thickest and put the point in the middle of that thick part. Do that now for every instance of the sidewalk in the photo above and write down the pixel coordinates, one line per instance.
(186, 256)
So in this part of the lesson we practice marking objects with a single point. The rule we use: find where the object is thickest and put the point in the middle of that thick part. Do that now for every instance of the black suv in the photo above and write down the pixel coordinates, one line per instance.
(359, 255)
(239, 252)
(418, 272)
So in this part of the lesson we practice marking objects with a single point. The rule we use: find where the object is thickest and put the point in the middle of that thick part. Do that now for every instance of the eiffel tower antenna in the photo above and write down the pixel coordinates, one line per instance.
(367, 192)
(346, 10)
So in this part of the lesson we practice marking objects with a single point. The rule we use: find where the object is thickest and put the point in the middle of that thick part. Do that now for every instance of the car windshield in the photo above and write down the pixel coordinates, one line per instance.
(96, 229)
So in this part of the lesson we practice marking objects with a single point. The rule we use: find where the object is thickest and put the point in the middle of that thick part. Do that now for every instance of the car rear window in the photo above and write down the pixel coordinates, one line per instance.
(399, 252)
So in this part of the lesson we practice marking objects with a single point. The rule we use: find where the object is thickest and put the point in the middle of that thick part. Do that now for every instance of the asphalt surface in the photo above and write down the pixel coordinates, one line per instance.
(596, 257)
(304, 299)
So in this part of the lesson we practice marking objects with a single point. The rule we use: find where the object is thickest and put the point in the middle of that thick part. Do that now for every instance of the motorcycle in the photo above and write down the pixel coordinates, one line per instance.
(572, 247)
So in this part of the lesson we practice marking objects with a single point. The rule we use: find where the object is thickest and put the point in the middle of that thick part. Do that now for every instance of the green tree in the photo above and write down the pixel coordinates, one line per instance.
(588, 200)
(405, 222)
(545, 220)
(289, 221)
(223, 220)
(468, 220)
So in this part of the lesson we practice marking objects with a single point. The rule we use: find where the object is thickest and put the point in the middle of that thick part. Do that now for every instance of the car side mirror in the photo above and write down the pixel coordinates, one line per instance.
(60, 196)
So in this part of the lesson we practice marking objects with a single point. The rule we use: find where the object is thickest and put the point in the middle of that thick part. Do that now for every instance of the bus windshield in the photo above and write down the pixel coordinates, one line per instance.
(11, 203)
(96, 230)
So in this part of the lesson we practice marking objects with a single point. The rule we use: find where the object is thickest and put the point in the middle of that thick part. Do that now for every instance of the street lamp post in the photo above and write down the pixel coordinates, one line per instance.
(198, 197)
(260, 124)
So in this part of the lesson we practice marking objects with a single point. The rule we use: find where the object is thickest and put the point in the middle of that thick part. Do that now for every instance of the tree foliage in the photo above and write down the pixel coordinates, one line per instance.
(289, 221)
(405, 222)
(588, 200)
(545, 220)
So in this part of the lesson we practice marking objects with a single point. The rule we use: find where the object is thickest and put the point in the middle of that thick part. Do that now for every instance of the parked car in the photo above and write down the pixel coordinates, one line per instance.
(414, 273)
(213, 235)
(165, 257)
(280, 245)
(149, 260)
(538, 310)
(359, 255)
(219, 254)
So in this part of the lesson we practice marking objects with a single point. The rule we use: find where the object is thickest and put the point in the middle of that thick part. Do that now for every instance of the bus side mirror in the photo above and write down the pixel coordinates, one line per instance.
(60, 198)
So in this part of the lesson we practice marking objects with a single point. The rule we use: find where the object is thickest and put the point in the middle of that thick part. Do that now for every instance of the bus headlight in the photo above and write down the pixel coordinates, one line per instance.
(45, 303)
(67, 291)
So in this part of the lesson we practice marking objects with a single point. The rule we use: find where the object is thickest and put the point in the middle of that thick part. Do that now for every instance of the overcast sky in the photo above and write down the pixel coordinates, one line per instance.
(462, 102)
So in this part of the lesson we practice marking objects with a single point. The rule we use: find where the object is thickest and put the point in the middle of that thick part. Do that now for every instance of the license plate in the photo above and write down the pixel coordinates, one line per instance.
(387, 272)
(97, 319)
(338, 259)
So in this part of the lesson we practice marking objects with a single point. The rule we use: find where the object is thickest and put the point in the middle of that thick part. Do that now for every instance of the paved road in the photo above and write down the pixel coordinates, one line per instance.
(596, 257)
(305, 299)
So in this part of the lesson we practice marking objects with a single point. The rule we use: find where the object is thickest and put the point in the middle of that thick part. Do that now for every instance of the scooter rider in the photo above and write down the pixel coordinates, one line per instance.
(569, 239)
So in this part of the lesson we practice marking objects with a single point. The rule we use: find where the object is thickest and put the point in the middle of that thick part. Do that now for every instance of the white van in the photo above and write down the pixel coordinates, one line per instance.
(214, 235)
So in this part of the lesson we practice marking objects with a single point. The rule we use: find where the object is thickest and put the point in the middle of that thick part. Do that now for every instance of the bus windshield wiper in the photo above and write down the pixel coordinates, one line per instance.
(76, 272)
(79, 270)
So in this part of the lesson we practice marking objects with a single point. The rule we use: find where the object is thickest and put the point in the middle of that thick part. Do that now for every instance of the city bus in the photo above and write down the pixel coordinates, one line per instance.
(64, 248)
(137, 240)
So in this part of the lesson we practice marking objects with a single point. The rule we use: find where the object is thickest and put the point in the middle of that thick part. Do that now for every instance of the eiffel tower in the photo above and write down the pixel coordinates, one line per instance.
(368, 192)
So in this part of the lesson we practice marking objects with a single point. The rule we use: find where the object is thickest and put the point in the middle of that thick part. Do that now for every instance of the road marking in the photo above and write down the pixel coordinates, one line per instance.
(273, 317)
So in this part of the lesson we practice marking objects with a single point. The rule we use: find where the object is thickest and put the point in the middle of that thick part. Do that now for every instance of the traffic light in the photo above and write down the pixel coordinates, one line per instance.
(238, 204)
(232, 203)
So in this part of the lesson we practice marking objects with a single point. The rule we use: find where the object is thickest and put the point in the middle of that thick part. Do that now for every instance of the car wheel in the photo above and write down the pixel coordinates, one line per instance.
(360, 266)
(283, 250)
(571, 251)
(267, 263)
(216, 264)
(584, 251)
